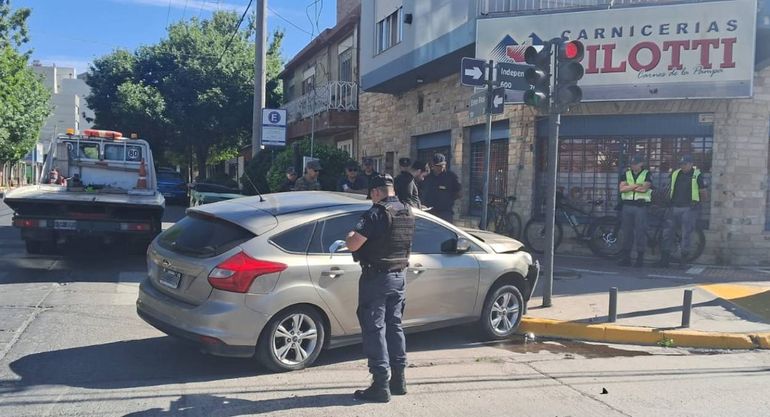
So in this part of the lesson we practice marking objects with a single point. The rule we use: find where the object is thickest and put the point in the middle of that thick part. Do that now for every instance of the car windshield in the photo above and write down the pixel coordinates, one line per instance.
(203, 237)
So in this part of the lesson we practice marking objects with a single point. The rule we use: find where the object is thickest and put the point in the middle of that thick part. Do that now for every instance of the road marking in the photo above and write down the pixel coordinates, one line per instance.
(670, 277)
(591, 271)
(731, 291)
(696, 270)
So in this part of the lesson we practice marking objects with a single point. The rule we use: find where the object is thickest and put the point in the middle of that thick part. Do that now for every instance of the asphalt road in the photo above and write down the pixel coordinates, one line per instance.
(72, 345)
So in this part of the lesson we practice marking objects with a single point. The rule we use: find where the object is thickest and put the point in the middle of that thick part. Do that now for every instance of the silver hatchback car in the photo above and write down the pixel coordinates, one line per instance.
(264, 278)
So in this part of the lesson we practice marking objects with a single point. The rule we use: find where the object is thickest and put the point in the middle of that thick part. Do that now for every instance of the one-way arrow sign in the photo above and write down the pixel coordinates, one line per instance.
(472, 72)
(498, 99)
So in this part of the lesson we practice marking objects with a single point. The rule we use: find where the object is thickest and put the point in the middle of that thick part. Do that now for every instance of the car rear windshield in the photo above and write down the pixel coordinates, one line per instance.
(203, 237)
(169, 176)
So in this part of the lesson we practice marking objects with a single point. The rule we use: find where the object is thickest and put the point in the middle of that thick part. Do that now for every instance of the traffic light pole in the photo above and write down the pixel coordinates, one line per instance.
(487, 154)
(554, 121)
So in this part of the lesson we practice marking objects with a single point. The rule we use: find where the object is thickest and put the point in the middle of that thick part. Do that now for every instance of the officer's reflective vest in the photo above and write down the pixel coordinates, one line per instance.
(640, 179)
(695, 189)
(392, 249)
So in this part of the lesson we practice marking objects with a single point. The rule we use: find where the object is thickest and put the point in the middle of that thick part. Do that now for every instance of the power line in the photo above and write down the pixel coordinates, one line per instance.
(288, 21)
(168, 13)
(235, 31)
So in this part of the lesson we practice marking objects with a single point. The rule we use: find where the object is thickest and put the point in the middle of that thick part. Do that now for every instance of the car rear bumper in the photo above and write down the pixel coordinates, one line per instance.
(218, 328)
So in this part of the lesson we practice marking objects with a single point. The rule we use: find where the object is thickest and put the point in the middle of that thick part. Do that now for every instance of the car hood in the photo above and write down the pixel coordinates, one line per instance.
(498, 243)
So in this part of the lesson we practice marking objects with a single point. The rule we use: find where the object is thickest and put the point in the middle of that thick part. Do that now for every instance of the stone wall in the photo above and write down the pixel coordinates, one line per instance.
(739, 184)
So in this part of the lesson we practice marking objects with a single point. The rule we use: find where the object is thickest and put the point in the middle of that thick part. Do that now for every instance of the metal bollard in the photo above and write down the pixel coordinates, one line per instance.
(686, 308)
(613, 316)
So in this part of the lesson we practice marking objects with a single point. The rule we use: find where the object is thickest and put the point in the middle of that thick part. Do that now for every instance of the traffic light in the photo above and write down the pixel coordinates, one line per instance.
(569, 71)
(538, 76)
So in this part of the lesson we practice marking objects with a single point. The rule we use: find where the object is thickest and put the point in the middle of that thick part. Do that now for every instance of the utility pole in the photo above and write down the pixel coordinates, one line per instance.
(260, 78)
(488, 143)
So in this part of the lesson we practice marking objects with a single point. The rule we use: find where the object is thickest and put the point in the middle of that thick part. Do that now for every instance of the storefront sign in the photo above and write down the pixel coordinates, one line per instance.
(694, 50)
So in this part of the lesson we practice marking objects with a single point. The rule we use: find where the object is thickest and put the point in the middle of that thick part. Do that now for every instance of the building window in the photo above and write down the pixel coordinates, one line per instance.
(345, 60)
(390, 30)
(498, 172)
(420, 103)
(346, 146)
(308, 84)
(390, 162)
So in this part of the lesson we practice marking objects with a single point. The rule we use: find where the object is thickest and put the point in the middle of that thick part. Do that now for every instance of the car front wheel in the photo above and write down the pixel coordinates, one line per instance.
(502, 312)
(292, 340)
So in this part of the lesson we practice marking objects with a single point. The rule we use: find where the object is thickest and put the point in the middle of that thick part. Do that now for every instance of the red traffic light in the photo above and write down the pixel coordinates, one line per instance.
(571, 50)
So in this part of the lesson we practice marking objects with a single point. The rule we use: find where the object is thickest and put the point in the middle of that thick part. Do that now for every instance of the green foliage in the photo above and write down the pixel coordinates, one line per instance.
(255, 174)
(332, 161)
(666, 342)
(190, 93)
(24, 100)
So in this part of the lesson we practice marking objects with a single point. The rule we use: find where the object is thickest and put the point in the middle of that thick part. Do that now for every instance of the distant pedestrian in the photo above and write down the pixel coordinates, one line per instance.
(309, 181)
(352, 181)
(369, 171)
(440, 189)
(406, 189)
(636, 195)
(687, 190)
(291, 179)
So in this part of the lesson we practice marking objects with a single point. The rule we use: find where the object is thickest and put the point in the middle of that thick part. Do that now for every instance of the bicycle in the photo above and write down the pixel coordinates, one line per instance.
(656, 224)
(601, 234)
(500, 214)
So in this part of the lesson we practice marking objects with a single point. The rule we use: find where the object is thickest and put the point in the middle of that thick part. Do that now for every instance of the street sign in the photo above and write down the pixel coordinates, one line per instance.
(498, 100)
(511, 76)
(478, 105)
(472, 72)
(274, 127)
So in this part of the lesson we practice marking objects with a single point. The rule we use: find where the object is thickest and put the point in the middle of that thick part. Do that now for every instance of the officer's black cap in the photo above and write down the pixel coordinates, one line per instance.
(637, 159)
(685, 159)
(439, 159)
(421, 165)
(382, 180)
(291, 170)
(404, 162)
(351, 164)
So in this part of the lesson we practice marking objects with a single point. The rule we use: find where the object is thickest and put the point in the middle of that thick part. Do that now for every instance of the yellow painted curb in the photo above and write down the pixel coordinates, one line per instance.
(612, 333)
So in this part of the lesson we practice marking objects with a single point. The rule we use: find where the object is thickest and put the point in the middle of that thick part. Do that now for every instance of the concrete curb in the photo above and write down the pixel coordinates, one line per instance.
(613, 333)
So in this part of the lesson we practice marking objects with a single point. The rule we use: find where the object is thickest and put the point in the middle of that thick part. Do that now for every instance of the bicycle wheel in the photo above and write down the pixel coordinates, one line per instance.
(534, 235)
(697, 245)
(605, 237)
(513, 225)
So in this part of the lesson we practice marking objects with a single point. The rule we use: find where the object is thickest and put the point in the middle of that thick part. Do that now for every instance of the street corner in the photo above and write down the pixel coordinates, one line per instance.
(753, 298)
(648, 336)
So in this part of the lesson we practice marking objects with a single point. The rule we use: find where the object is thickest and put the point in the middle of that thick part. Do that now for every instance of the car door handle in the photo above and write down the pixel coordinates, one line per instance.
(333, 272)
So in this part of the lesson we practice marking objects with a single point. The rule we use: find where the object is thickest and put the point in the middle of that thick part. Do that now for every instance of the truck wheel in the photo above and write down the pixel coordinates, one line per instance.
(34, 247)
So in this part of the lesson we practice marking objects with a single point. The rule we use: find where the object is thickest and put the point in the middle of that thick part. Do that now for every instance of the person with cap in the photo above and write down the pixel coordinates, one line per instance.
(636, 196)
(687, 190)
(291, 179)
(440, 189)
(406, 188)
(351, 181)
(369, 171)
(381, 242)
(309, 181)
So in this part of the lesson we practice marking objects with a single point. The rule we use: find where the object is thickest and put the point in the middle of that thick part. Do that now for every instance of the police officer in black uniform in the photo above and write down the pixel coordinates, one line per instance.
(381, 242)
(406, 188)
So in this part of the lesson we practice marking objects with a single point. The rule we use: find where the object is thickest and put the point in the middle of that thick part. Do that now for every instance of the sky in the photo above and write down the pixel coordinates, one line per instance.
(74, 32)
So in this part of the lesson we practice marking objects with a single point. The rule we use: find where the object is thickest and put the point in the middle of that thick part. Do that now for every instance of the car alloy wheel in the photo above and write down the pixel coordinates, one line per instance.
(504, 314)
(294, 339)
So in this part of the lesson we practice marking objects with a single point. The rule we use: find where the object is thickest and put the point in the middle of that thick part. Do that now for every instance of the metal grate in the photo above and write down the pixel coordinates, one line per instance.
(498, 172)
(589, 168)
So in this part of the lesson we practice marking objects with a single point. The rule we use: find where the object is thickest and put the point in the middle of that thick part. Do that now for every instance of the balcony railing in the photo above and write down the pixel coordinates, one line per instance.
(487, 7)
(335, 95)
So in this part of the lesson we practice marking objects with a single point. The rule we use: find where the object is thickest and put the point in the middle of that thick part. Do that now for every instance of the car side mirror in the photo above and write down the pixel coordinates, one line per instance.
(459, 245)
(337, 246)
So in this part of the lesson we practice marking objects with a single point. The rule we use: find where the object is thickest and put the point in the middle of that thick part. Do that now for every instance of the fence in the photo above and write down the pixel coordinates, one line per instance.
(335, 95)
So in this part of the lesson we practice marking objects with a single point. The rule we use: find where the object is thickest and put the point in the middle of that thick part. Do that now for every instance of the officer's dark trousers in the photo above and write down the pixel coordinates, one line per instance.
(380, 308)
(680, 220)
(634, 227)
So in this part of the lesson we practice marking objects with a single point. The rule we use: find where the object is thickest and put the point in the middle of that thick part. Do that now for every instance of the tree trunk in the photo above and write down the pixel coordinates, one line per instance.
(202, 155)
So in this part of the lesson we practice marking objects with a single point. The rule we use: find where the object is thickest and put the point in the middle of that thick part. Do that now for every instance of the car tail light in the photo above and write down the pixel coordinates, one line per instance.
(135, 227)
(29, 223)
(238, 272)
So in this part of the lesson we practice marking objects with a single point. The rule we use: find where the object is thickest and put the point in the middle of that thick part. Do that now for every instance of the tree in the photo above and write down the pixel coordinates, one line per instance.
(193, 91)
(24, 100)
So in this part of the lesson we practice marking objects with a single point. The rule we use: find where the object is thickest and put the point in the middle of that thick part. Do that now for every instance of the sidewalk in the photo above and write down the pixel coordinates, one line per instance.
(731, 306)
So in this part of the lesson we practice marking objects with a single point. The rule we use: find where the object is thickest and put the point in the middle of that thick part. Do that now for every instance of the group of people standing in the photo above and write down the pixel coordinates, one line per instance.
(686, 190)
(432, 187)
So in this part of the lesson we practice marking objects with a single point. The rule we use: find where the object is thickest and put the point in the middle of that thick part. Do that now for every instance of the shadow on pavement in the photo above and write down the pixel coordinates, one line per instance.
(206, 405)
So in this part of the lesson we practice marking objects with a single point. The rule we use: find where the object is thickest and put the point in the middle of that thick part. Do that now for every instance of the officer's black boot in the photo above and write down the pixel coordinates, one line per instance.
(378, 392)
(639, 260)
(625, 259)
(397, 381)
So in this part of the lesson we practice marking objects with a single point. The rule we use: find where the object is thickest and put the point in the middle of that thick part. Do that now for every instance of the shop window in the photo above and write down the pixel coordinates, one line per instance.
(498, 172)
(390, 162)
(589, 167)
(390, 30)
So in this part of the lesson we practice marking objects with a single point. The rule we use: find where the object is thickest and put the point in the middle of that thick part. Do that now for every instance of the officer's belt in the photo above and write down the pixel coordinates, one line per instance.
(381, 268)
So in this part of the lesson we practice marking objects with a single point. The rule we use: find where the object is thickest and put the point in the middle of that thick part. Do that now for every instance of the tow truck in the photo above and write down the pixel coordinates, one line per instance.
(94, 185)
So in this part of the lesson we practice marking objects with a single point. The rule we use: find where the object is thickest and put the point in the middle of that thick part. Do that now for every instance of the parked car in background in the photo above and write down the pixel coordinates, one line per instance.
(206, 193)
(172, 185)
(268, 277)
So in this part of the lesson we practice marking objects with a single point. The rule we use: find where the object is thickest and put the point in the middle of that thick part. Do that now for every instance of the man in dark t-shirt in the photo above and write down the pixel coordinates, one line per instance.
(440, 189)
